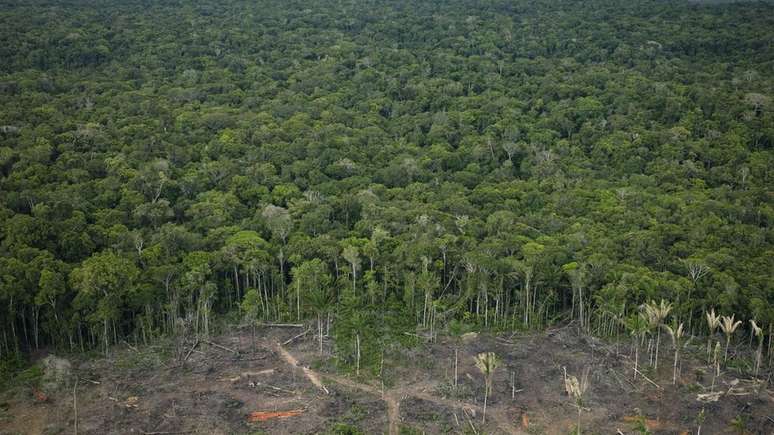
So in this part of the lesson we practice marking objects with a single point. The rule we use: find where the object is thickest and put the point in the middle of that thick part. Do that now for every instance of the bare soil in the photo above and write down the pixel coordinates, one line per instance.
(143, 390)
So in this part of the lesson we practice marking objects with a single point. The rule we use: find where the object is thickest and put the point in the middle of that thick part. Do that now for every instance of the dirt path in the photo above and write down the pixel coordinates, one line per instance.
(392, 397)
(309, 373)
(393, 413)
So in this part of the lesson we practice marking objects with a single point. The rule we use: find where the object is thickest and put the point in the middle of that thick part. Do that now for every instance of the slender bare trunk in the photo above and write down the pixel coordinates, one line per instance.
(579, 418)
(658, 342)
(298, 300)
(728, 342)
(486, 396)
(455, 368)
(674, 368)
(105, 334)
(354, 278)
(236, 282)
(357, 364)
(75, 406)
(636, 359)
(320, 331)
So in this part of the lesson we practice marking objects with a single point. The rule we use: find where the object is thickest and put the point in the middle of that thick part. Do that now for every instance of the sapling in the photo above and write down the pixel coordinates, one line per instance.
(700, 421)
(728, 326)
(713, 322)
(677, 335)
(758, 332)
(716, 363)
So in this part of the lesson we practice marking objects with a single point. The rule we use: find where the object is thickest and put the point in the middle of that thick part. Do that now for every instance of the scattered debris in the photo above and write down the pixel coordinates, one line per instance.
(469, 336)
(709, 397)
(39, 395)
(131, 402)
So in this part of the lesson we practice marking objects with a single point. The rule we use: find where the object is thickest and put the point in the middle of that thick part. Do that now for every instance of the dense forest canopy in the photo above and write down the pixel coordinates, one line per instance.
(389, 165)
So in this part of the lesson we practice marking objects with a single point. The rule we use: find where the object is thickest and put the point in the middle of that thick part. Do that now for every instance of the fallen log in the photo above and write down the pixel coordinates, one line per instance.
(282, 325)
(648, 379)
(166, 433)
(247, 375)
(191, 350)
(236, 352)
(272, 387)
(292, 339)
(268, 415)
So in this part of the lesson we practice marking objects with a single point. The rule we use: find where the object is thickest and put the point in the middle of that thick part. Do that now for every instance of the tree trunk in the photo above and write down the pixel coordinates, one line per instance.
(527, 304)
(658, 342)
(580, 308)
(354, 278)
(579, 419)
(357, 364)
(636, 359)
(24, 327)
(486, 396)
(105, 334)
(35, 334)
(728, 342)
(674, 368)
(320, 332)
(486, 308)
(236, 283)
(455, 368)
(758, 356)
(424, 312)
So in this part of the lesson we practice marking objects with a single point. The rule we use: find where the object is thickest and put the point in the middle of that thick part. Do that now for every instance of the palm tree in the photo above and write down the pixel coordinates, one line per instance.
(487, 362)
(656, 313)
(677, 335)
(576, 389)
(728, 326)
(713, 322)
(319, 301)
(638, 327)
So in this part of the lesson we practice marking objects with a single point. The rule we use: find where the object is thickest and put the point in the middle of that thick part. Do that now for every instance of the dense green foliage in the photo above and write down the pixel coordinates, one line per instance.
(389, 165)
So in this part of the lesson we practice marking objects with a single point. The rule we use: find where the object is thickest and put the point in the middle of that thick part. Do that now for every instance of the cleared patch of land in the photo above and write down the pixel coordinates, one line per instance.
(237, 383)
